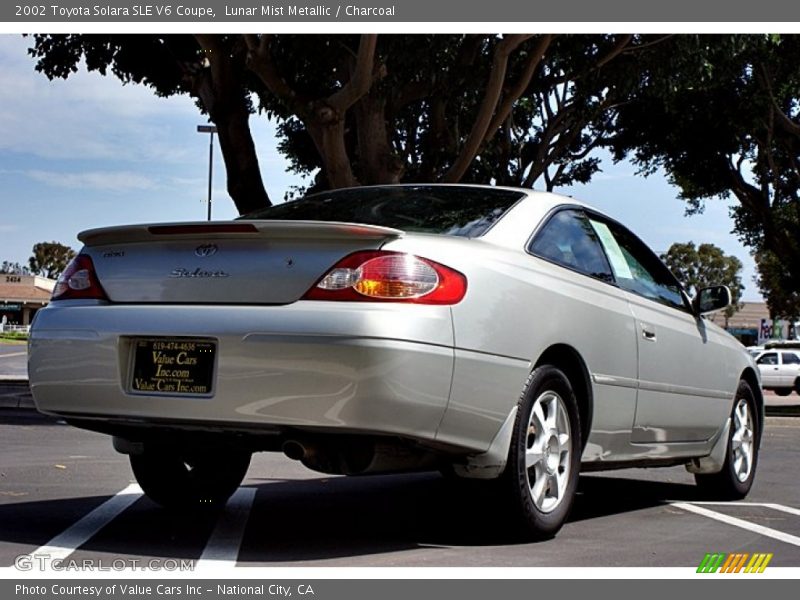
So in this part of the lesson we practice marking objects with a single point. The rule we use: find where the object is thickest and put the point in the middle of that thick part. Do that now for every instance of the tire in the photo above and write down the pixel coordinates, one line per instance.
(783, 391)
(541, 475)
(797, 386)
(190, 478)
(738, 472)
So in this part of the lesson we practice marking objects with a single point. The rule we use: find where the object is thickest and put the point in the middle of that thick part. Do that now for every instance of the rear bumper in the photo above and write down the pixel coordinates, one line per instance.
(377, 369)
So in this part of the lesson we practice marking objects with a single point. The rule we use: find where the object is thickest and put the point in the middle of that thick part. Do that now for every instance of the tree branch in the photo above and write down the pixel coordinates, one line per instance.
(554, 180)
(494, 88)
(362, 78)
(636, 48)
(260, 62)
(534, 59)
(784, 121)
(618, 48)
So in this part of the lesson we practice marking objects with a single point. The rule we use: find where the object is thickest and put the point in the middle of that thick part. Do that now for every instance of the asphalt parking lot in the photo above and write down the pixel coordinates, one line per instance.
(13, 361)
(65, 493)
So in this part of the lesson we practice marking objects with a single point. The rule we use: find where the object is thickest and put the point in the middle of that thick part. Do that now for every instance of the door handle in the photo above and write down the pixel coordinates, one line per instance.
(649, 333)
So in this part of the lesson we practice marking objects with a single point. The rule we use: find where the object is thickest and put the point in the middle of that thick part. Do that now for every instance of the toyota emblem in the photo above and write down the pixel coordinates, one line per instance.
(206, 250)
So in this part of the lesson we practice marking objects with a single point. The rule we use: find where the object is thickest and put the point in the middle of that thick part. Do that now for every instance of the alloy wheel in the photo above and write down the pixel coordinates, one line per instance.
(742, 440)
(547, 451)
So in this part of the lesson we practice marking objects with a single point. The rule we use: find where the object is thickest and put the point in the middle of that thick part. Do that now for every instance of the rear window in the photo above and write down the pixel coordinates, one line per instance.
(460, 211)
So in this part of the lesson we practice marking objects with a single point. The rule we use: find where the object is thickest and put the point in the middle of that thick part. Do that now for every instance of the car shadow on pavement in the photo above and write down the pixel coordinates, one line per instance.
(26, 417)
(295, 521)
(603, 496)
(313, 520)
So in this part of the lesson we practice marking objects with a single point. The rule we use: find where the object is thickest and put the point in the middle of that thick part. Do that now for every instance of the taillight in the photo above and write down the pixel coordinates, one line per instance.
(390, 277)
(79, 280)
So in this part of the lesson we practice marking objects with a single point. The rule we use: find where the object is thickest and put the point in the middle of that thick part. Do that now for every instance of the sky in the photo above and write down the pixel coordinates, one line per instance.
(90, 152)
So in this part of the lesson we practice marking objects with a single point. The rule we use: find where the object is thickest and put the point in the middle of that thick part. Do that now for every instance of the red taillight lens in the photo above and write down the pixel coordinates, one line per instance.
(390, 277)
(79, 281)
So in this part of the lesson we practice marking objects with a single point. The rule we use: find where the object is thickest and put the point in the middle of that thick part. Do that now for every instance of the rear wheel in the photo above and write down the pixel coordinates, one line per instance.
(544, 458)
(735, 479)
(190, 478)
(783, 391)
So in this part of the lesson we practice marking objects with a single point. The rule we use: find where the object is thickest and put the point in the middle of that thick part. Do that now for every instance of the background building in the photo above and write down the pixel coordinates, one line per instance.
(21, 296)
(752, 325)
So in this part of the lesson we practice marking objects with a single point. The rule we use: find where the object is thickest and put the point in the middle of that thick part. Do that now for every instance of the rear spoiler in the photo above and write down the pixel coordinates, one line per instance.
(325, 230)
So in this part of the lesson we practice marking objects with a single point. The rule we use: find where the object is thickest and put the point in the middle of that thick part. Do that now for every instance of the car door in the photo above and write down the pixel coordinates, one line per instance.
(685, 386)
(769, 366)
(590, 313)
(789, 368)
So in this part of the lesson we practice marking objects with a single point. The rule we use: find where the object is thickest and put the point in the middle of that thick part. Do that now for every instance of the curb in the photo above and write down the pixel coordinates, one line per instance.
(782, 411)
(15, 393)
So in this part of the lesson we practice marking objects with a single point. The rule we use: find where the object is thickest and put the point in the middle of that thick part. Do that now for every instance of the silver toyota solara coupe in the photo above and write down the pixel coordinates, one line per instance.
(490, 333)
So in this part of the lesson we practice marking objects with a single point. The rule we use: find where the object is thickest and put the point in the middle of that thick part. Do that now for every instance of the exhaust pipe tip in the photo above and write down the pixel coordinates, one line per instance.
(294, 449)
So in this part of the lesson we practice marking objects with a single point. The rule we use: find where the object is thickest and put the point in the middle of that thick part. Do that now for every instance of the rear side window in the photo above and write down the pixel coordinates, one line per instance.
(446, 210)
(568, 239)
(790, 358)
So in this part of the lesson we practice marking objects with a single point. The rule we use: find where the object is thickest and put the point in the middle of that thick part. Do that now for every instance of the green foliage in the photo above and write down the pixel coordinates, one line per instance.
(720, 115)
(425, 95)
(152, 60)
(10, 268)
(50, 259)
(13, 336)
(774, 282)
(705, 265)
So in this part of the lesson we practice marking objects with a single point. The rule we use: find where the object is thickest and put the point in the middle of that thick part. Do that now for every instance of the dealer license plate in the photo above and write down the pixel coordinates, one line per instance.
(173, 366)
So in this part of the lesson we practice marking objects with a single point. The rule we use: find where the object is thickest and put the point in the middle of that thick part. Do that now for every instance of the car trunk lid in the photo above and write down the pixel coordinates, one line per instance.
(253, 262)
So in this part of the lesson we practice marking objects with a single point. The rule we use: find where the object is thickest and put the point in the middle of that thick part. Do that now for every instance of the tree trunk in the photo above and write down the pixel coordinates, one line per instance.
(221, 90)
(326, 129)
(491, 98)
(324, 118)
(377, 162)
(245, 185)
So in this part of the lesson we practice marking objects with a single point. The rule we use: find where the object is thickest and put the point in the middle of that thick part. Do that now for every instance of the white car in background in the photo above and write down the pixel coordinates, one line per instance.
(780, 370)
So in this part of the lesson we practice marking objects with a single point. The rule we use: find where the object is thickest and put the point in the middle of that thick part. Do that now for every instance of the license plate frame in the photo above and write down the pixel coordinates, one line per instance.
(169, 366)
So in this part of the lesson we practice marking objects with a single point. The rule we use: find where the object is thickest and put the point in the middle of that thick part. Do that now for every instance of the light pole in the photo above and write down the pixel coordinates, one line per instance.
(210, 129)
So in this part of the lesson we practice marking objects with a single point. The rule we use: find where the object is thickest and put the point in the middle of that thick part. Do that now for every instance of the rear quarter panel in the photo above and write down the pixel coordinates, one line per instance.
(515, 308)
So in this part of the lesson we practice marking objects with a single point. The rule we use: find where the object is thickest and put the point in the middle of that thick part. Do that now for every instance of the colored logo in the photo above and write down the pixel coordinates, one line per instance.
(719, 562)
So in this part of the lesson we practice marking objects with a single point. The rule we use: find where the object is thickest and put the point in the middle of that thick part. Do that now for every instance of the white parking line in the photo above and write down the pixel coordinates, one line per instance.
(65, 543)
(787, 509)
(222, 548)
(13, 354)
(760, 529)
(782, 508)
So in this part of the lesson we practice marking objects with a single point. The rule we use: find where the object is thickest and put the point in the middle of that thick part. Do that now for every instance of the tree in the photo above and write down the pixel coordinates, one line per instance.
(722, 117)
(210, 68)
(773, 282)
(704, 266)
(367, 109)
(516, 109)
(50, 259)
(10, 268)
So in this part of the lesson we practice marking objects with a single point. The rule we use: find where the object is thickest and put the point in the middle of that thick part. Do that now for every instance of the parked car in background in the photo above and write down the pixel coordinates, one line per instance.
(492, 333)
(780, 371)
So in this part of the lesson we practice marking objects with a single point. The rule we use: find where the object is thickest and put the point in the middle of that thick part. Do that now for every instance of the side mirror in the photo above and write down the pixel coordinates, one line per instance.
(712, 298)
